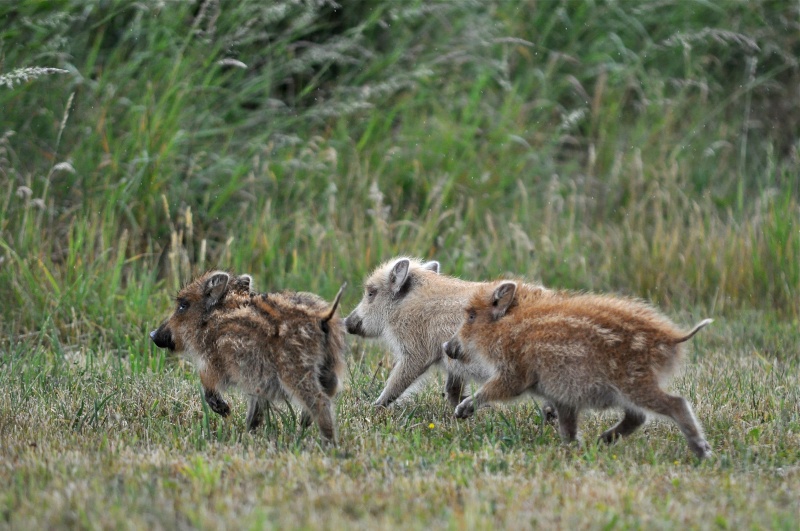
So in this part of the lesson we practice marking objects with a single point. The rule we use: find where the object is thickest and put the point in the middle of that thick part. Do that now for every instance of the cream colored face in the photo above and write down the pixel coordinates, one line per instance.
(370, 317)
(384, 291)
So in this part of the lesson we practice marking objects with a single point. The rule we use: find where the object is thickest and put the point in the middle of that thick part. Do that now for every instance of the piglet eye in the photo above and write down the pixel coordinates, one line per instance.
(471, 316)
(371, 292)
(183, 305)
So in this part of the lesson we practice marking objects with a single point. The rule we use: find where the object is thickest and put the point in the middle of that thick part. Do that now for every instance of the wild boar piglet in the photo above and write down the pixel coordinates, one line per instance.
(272, 346)
(578, 351)
(413, 309)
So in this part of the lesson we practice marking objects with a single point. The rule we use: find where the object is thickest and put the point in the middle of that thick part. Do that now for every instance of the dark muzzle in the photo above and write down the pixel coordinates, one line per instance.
(353, 325)
(453, 349)
(162, 338)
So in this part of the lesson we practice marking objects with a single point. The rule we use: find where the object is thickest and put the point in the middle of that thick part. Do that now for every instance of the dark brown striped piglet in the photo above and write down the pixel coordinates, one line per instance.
(271, 346)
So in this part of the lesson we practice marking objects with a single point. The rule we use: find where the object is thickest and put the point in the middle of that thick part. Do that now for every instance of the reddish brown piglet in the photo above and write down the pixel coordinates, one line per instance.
(578, 351)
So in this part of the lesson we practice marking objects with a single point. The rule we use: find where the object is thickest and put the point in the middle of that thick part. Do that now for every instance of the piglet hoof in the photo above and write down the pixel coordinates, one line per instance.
(608, 437)
(701, 449)
(465, 409)
(549, 412)
(218, 406)
(382, 403)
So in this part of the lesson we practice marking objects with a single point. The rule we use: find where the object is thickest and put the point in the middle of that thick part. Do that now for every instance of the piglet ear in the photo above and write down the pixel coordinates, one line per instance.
(433, 265)
(244, 282)
(215, 289)
(502, 298)
(398, 276)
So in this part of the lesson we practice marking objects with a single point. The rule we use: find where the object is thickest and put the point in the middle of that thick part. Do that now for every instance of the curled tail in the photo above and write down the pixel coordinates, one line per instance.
(331, 367)
(328, 317)
(702, 324)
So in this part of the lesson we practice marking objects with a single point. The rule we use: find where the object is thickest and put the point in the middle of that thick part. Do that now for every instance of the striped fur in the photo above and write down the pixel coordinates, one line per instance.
(272, 346)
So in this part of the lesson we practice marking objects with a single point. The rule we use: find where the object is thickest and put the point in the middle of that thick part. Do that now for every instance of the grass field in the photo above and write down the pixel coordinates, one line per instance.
(643, 148)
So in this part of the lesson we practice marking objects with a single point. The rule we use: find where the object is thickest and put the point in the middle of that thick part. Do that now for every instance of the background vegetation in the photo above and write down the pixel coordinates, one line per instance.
(644, 148)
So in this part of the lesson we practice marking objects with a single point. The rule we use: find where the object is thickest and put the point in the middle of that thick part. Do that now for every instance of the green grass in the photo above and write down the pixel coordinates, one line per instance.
(94, 442)
(643, 148)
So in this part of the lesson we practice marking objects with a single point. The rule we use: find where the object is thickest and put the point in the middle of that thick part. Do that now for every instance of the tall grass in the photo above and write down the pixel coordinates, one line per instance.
(586, 144)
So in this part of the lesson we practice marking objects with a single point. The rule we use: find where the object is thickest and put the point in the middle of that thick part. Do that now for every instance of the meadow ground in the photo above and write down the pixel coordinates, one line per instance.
(649, 149)
(90, 442)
